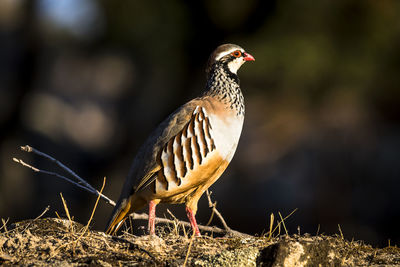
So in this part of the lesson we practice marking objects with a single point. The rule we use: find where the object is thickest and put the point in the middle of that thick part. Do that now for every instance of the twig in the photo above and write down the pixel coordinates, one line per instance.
(190, 246)
(213, 229)
(91, 216)
(61, 165)
(58, 216)
(37, 218)
(176, 223)
(20, 161)
(219, 215)
(319, 226)
(95, 206)
(4, 224)
(82, 183)
(278, 226)
(290, 214)
(67, 212)
(211, 205)
(172, 215)
(43, 213)
(283, 223)
(271, 225)
(341, 233)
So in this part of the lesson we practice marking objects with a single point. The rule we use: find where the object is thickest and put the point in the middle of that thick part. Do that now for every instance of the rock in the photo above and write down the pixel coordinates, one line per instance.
(325, 251)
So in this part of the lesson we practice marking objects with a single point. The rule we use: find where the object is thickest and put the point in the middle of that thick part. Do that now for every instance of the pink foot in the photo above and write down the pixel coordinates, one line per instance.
(193, 222)
(152, 218)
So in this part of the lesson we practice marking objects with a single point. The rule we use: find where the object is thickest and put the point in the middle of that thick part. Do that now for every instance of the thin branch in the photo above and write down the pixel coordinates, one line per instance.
(219, 215)
(67, 212)
(212, 229)
(4, 224)
(278, 226)
(20, 161)
(271, 225)
(97, 202)
(43, 213)
(37, 218)
(61, 165)
(176, 224)
(283, 223)
(211, 205)
(91, 216)
(188, 251)
(81, 184)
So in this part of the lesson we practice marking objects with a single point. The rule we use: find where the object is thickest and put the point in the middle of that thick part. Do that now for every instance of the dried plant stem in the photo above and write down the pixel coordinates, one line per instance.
(340, 231)
(61, 165)
(281, 222)
(4, 224)
(67, 212)
(91, 216)
(37, 218)
(214, 209)
(20, 161)
(43, 213)
(212, 229)
(81, 182)
(188, 252)
(95, 206)
(271, 225)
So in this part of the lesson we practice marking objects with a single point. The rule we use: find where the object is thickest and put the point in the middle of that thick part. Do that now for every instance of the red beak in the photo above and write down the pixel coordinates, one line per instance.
(248, 57)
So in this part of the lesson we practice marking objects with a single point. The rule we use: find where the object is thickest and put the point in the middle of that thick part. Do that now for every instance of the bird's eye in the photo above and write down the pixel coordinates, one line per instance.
(236, 53)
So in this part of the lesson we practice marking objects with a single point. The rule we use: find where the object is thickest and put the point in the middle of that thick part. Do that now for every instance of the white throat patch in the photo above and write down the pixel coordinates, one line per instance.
(235, 64)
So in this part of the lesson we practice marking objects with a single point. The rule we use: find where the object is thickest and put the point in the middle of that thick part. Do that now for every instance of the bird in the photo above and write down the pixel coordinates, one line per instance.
(191, 148)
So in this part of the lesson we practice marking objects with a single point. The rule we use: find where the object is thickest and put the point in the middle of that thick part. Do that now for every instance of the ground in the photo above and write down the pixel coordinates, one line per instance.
(54, 242)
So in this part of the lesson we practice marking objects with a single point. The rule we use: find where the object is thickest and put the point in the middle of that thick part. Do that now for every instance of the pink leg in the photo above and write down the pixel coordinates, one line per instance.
(193, 222)
(152, 218)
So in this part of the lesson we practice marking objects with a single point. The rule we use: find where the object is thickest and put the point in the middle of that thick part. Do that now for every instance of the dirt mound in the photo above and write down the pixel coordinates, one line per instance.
(54, 241)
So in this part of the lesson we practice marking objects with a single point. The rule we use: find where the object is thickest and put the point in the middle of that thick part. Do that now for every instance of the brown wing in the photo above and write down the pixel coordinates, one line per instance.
(147, 161)
(183, 153)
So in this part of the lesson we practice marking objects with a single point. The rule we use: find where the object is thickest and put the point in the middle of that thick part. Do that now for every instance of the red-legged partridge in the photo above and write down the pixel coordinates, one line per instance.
(190, 149)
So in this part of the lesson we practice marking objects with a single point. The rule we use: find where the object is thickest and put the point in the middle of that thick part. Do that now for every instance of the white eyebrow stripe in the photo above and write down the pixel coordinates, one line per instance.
(222, 54)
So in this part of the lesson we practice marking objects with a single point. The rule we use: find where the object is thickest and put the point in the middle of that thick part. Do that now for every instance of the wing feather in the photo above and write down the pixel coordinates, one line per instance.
(147, 161)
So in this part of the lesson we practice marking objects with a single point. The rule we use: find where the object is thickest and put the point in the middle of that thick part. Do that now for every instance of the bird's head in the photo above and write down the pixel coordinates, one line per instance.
(231, 55)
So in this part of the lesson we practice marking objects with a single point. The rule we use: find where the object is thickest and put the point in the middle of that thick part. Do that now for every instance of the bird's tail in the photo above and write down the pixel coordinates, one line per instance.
(120, 212)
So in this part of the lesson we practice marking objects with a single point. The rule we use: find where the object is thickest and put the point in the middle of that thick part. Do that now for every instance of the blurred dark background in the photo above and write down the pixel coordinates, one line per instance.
(86, 81)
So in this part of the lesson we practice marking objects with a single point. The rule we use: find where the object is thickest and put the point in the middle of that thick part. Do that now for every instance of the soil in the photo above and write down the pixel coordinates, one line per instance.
(54, 242)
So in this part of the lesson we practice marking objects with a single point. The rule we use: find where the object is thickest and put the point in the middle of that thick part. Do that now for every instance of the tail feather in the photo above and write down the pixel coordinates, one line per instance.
(120, 213)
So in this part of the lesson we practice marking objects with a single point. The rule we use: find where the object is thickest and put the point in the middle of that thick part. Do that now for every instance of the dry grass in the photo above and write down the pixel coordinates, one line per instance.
(56, 241)
(53, 241)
